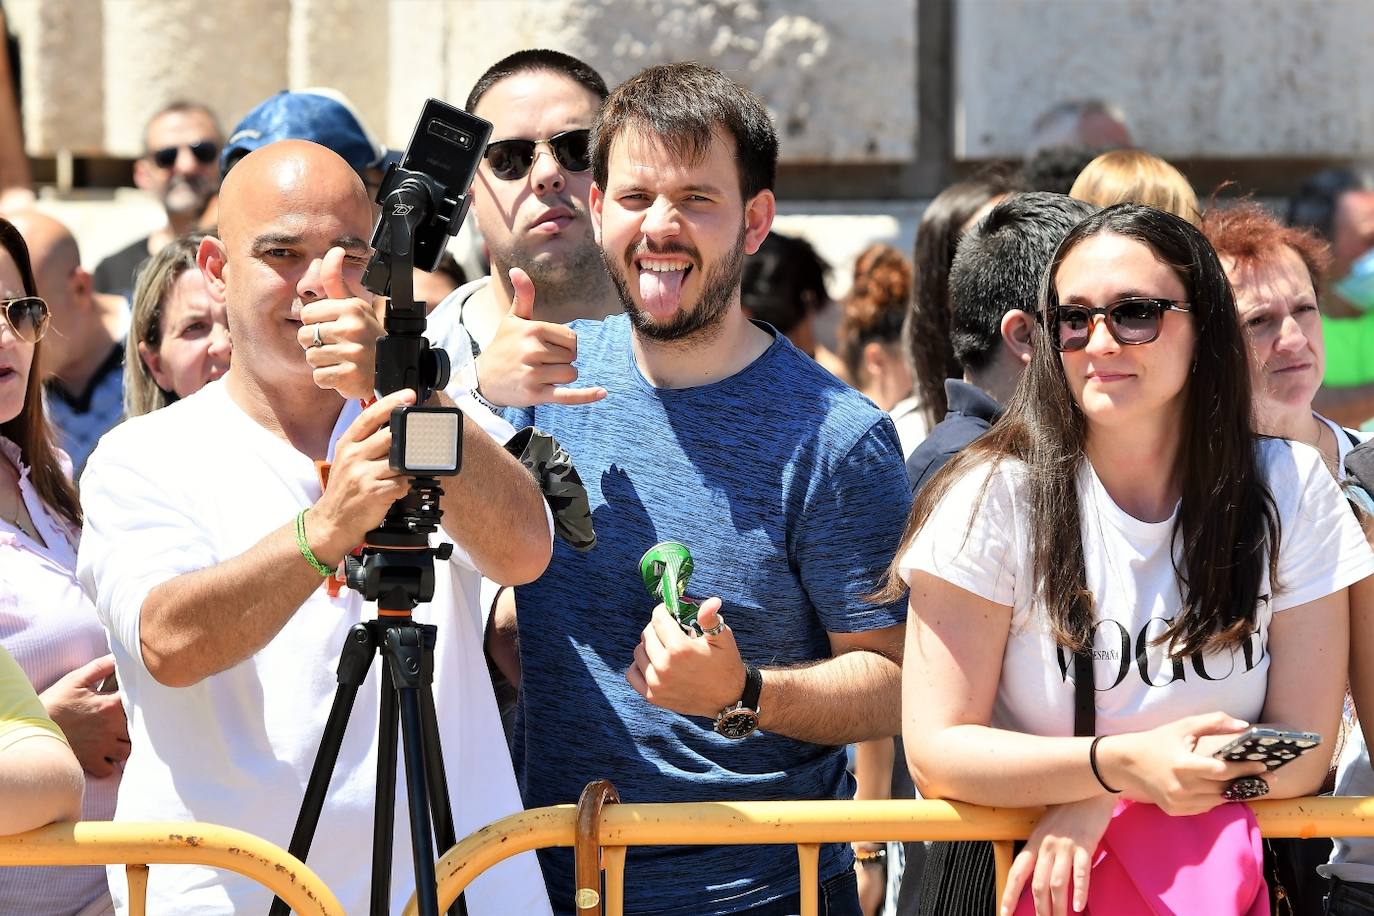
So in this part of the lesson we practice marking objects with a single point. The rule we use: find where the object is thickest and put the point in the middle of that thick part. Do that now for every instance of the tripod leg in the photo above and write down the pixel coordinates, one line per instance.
(384, 815)
(354, 660)
(439, 803)
(421, 842)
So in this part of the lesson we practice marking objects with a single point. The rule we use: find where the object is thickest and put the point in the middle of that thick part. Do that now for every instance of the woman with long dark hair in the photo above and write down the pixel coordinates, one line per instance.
(46, 622)
(1121, 535)
(926, 329)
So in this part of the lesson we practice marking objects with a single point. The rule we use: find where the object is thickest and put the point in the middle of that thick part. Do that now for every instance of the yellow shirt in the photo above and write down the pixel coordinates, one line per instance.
(21, 714)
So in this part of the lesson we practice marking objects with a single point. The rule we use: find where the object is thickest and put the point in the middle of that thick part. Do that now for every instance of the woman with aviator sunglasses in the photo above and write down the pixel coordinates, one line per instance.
(1111, 584)
(46, 621)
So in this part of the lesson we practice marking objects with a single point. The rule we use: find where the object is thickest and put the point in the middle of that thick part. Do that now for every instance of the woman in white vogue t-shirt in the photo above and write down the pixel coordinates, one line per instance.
(1123, 504)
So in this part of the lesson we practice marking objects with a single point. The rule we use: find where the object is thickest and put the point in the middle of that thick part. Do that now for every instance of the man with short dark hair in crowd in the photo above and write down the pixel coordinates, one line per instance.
(994, 288)
(530, 202)
(1339, 205)
(180, 167)
(83, 355)
(208, 539)
(786, 484)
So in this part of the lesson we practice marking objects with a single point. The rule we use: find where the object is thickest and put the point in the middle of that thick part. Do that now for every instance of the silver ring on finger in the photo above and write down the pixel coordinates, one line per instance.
(718, 628)
(318, 341)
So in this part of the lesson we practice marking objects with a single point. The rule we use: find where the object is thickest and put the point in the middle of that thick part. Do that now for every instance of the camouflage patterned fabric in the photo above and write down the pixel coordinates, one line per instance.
(553, 468)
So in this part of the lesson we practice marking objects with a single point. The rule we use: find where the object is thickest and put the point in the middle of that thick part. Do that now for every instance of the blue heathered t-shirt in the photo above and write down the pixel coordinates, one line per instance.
(790, 490)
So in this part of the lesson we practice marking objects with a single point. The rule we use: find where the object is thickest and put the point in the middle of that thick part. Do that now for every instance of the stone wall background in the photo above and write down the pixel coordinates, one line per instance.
(879, 103)
(1219, 79)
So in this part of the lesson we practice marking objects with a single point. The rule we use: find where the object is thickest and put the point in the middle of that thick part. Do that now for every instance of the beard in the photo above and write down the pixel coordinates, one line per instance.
(187, 194)
(719, 287)
(559, 278)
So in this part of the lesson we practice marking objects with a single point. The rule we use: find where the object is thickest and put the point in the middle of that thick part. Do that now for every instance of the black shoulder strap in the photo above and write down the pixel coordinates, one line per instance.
(1084, 690)
(1354, 439)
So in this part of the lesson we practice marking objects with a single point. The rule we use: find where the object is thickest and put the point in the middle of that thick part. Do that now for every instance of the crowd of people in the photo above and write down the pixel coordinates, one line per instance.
(1065, 507)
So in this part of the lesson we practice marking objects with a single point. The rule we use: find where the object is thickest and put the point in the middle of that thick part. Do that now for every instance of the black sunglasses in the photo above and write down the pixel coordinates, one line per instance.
(511, 160)
(1130, 322)
(205, 152)
(27, 316)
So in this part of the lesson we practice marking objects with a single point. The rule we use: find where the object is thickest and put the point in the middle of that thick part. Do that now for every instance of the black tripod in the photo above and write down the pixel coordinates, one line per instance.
(407, 650)
(396, 569)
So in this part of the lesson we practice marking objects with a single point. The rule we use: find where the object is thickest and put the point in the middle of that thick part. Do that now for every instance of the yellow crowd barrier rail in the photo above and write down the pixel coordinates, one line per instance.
(139, 845)
(806, 825)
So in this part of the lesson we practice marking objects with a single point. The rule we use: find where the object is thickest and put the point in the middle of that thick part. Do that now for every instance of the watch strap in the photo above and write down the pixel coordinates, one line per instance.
(753, 686)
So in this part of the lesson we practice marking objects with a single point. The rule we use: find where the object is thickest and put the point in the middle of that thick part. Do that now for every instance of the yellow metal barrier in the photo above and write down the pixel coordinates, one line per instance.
(173, 843)
(808, 824)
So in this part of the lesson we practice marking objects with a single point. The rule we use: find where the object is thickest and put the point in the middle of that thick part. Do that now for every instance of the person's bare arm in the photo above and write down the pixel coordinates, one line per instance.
(40, 782)
(1362, 654)
(503, 636)
(493, 510)
(1347, 405)
(203, 622)
(855, 695)
(852, 696)
(954, 646)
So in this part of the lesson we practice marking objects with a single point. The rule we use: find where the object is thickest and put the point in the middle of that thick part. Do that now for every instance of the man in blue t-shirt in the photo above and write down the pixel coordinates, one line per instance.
(788, 487)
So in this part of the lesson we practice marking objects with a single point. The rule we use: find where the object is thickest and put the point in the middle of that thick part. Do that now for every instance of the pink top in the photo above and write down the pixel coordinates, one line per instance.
(50, 627)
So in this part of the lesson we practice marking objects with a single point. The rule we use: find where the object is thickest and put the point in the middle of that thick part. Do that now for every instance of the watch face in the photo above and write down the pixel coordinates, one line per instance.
(738, 723)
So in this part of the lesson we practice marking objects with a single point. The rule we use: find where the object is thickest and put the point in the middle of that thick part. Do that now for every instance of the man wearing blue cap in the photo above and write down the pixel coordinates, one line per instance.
(322, 116)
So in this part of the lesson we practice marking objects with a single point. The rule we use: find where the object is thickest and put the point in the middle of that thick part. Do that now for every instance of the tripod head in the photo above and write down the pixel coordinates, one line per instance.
(424, 199)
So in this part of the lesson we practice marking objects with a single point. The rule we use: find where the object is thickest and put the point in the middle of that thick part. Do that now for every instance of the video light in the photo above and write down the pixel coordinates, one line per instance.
(427, 441)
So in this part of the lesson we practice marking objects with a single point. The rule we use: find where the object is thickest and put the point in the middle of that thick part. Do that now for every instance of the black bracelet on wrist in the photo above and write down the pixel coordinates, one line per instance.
(1092, 761)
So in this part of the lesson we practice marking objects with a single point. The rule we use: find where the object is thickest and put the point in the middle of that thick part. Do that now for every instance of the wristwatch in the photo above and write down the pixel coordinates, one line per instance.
(742, 719)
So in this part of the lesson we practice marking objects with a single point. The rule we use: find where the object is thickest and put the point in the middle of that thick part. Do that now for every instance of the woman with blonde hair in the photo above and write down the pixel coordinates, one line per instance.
(179, 339)
(1134, 176)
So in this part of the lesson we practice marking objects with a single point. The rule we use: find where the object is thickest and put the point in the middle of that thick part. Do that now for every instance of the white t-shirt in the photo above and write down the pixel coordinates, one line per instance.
(447, 328)
(910, 421)
(1129, 565)
(191, 486)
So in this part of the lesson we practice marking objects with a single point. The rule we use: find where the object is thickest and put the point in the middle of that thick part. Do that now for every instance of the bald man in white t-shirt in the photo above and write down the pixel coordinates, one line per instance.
(224, 640)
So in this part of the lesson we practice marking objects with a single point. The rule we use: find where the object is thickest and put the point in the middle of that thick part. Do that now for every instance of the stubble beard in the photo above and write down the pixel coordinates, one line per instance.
(187, 196)
(719, 288)
(567, 286)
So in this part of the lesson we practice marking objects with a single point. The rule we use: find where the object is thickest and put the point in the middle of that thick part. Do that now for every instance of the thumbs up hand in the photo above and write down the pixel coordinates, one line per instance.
(528, 360)
(339, 333)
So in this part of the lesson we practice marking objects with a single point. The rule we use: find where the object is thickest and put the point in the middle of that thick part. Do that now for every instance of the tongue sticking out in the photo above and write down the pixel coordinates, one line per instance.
(661, 291)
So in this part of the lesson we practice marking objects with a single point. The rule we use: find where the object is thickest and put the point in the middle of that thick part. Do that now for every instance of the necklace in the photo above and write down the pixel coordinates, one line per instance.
(1330, 459)
(16, 515)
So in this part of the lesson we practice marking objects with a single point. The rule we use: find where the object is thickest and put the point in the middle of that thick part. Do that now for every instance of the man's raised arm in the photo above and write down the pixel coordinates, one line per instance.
(203, 622)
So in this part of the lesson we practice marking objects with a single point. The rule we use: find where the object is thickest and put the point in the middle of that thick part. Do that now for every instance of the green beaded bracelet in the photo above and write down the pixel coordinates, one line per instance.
(304, 547)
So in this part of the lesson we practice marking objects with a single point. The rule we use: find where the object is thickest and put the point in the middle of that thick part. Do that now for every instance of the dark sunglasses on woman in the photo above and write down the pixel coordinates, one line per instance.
(205, 152)
(26, 316)
(1130, 322)
(511, 160)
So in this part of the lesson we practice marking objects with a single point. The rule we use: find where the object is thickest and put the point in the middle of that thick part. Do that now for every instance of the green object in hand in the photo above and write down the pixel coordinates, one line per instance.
(665, 569)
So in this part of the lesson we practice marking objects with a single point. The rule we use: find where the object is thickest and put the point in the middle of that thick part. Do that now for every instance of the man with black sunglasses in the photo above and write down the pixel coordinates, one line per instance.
(180, 168)
(530, 201)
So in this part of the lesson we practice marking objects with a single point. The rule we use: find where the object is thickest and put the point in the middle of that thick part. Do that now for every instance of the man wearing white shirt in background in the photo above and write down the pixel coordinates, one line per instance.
(225, 642)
